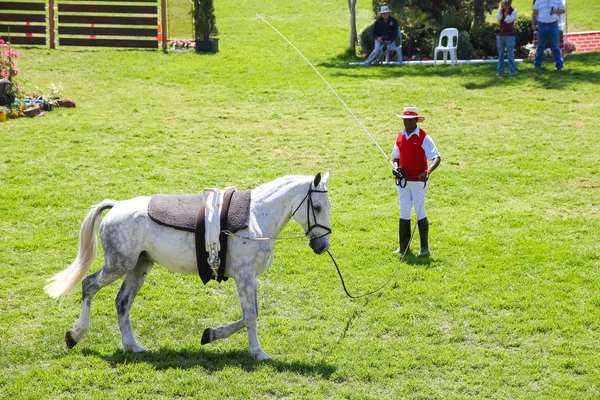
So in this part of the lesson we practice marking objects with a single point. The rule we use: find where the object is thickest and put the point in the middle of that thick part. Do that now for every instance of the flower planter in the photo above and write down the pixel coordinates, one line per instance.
(207, 46)
(2, 116)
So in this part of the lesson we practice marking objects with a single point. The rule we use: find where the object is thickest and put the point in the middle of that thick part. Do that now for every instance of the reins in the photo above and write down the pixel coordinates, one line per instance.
(384, 283)
(310, 208)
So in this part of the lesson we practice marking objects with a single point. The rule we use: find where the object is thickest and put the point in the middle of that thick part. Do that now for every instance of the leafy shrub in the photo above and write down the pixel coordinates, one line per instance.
(366, 39)
(203, 14)
(524, 31)
(417, 32)
(8, 70)
(465, 47)
(483, 39)
(459, 19)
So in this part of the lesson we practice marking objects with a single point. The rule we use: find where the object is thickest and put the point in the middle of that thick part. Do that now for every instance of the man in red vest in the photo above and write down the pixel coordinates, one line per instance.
(413, 148)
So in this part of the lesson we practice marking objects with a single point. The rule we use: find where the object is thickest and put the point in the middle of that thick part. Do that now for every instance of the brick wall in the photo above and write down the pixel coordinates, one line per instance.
(585, 41)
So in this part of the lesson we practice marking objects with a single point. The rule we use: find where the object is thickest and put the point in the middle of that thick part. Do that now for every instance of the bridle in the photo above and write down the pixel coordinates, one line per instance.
(309, 207)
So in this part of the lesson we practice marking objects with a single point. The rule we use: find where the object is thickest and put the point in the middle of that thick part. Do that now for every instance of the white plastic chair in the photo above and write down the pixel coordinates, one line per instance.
(450, 48)
(398, 49)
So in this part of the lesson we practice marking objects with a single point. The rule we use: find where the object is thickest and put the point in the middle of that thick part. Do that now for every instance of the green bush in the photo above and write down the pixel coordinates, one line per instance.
(418, 32)
(461, 20)
(483, 39)
(203, 14)
(366, 39)
(524, 31)
(465, 47)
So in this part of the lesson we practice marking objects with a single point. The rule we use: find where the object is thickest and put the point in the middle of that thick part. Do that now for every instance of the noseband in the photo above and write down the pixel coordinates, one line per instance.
(309, 207)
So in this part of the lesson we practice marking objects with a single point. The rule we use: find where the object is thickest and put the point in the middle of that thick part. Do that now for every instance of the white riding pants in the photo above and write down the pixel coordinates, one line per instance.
(377, 50)
(412, 193)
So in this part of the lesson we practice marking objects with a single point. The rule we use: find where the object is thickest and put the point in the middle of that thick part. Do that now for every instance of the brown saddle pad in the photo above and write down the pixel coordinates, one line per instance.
(186, 212)
(181, 211)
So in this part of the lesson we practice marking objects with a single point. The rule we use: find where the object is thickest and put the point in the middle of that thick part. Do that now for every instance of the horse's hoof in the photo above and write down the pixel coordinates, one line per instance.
(70, 341)
(136, 348)
(207, 336)
(262, 356)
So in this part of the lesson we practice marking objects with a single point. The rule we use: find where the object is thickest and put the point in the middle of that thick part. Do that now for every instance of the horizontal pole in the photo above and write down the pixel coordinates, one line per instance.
(27, 40)
(107, 9)
(100, 19)
(22, 17)
(9, 5)
(430, 62)
(108, 1)
(84, 30)
(129, 43)
(23, 28)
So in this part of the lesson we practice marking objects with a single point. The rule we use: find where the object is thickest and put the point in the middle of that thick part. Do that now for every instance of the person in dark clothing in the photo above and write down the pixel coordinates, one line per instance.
(385, 31)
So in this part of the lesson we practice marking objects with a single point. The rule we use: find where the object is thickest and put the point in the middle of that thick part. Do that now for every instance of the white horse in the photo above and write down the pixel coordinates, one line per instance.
(133, 243)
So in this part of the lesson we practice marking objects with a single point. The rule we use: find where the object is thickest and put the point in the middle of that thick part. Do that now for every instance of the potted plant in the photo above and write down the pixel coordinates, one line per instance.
(204, 26)
(3, 113)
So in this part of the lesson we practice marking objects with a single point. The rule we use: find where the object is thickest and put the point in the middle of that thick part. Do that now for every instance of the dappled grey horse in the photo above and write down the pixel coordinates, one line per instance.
(133, 243)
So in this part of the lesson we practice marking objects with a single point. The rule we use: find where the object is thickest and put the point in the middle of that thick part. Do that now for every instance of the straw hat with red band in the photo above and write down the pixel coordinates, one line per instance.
(411, 112)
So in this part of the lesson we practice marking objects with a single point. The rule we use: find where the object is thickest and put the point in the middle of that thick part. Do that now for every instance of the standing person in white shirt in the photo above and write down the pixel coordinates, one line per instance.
(413, 148)
(505, 38)
(546, 14)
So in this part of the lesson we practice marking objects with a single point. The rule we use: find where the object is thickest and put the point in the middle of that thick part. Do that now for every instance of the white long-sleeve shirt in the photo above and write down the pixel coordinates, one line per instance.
(509, 18)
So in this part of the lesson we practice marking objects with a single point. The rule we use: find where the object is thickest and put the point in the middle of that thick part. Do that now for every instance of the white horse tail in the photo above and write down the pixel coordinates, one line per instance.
(65, 281)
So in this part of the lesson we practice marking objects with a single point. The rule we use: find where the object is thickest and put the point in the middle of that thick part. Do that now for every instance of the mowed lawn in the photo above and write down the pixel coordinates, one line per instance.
(507, 307)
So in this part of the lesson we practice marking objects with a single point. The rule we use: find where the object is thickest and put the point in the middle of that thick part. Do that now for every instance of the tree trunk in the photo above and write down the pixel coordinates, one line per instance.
(353, 38)
(479, 9)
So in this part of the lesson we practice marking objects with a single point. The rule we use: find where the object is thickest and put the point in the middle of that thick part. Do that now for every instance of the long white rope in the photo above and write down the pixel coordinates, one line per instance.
(330, 88)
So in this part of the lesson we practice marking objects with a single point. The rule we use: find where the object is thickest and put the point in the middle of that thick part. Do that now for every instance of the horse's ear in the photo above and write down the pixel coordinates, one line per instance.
(317, 180)
(326, 177)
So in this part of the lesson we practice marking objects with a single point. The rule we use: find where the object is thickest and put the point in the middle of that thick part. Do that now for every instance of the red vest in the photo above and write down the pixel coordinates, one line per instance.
(413, 160)
(507, 29)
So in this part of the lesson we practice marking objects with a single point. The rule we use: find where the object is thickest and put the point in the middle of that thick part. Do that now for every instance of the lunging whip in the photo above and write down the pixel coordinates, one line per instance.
(330, 88)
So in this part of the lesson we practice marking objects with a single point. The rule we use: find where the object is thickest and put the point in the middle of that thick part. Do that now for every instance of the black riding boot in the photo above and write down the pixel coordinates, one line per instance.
(404, 234)
(424, 233)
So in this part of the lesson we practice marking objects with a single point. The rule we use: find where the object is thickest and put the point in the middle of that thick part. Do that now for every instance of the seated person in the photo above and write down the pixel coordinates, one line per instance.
(385, 32)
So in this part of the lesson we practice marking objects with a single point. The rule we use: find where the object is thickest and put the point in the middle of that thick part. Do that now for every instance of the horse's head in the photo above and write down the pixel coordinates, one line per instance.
(313, 213)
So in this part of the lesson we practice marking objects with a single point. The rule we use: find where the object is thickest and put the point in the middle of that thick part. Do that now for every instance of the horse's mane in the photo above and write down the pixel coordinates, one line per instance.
(278, 183)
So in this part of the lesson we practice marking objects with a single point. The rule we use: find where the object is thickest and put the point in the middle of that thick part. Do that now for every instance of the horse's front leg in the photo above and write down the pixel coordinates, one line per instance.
(247, 293)
(222, 332)
(246, 287)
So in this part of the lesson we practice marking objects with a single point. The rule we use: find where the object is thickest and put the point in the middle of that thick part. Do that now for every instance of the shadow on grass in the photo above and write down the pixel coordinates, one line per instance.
(577, 69)
(550, 79)
(165, 358)
(415, 260)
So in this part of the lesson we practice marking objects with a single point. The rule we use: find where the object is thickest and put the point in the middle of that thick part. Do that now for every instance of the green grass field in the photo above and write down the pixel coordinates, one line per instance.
(507, 307)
